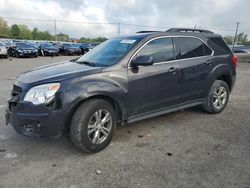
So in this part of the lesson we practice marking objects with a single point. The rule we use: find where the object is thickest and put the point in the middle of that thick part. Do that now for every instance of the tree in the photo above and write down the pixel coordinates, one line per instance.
(228, 39)
(242, 38)
(15, 31)
(45, 35)
(25, 33)
(35, 34)
(4, 29)
(62, 37)
(98, 39)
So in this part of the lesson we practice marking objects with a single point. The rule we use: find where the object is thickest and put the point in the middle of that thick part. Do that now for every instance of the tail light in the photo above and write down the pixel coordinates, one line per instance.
(234, 61)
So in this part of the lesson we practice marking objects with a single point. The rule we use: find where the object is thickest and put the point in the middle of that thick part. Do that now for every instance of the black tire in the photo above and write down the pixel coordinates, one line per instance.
(17, 54)
(80, 121)
(209, 105)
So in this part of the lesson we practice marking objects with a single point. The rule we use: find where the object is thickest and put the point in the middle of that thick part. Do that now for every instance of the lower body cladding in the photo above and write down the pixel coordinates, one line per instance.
(35, 120)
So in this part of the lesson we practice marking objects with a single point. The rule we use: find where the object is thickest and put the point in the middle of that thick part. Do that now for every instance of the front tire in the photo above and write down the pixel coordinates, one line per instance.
(17, 55)
(217, 98)
(93, 125)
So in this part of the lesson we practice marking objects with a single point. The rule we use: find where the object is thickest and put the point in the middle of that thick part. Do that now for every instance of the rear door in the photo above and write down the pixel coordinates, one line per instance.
(155, 86)
(195, 61)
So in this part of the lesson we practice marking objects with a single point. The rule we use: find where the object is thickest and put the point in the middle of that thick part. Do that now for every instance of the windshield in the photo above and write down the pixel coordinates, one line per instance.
(109, 52)
(69, 45)
(47, 45)
(22, 45)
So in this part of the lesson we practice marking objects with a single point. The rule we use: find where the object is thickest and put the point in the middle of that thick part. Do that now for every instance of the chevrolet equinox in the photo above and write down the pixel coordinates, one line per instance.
(123, 80)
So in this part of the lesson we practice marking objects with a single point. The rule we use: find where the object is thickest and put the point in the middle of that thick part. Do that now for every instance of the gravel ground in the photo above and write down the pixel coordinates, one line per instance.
(188, 148)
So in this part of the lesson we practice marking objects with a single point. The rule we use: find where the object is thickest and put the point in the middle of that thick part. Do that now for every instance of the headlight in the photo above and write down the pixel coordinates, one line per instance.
(20, 50)
(42, 94)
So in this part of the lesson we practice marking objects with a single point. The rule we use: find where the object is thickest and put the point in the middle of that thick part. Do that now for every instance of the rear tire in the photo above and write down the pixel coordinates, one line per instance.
(90, 133)
(217, 98)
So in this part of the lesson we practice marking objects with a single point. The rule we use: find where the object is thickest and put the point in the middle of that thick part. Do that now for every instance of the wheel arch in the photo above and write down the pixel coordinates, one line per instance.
(226, 78)
(118, 107)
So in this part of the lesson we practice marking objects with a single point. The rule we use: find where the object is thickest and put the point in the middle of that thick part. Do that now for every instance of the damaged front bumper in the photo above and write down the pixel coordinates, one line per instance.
(34, 120)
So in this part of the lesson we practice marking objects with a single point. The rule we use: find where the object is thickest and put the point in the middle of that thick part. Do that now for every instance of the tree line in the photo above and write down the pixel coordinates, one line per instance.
(21, 31)
(241, 39)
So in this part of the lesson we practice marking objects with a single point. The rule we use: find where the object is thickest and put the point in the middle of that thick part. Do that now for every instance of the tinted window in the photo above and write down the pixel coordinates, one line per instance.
(22, 45)
(160, 49)
(190, 47)
(207, 50)
(219, 46)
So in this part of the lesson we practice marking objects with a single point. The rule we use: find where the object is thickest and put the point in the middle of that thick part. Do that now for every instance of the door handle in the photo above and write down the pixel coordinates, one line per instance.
(172, 70)
(209, 62)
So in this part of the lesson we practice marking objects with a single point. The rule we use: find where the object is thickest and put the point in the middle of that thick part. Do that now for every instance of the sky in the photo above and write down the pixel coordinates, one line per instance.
(74, 16)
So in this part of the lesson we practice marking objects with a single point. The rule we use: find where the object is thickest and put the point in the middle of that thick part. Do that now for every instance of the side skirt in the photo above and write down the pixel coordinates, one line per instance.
(164, 111)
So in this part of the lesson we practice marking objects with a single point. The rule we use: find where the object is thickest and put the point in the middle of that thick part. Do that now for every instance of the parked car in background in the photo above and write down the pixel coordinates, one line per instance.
(7, 44)
(241, 49)
(3, 50)
(47, 49)
(22, 49)
(123, 80)
(85, 47)
(70, 49)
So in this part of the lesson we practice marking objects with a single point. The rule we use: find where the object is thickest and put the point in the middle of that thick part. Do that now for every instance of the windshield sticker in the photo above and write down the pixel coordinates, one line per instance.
(127, 41)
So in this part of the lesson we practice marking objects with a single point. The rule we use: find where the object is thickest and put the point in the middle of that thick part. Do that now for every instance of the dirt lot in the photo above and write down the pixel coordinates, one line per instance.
(182, 149)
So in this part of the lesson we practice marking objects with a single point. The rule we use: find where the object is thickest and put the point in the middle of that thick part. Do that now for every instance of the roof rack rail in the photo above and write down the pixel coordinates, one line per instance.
(147, 31)
(189, 30)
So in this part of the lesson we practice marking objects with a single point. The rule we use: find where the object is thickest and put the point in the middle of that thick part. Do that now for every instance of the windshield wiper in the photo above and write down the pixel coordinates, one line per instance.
(92, 64)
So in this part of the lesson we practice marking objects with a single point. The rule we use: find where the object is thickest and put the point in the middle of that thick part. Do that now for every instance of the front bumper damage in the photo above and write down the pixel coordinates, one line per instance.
(34, 120)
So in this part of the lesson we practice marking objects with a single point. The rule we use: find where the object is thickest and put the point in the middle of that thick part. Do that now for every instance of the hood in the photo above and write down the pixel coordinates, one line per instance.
(56, 72)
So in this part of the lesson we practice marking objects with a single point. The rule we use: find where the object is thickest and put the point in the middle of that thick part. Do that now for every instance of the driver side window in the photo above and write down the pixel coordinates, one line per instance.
(161, 50)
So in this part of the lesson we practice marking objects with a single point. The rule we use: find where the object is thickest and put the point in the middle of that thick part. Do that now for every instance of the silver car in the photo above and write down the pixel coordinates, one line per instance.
(3, 50)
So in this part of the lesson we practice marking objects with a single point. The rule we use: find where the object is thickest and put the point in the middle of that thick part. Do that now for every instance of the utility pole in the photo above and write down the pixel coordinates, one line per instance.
(55, 28)
(236, 32)
(118, 28)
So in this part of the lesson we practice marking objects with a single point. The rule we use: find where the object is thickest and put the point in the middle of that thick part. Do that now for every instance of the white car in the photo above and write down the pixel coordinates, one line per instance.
(3, 50)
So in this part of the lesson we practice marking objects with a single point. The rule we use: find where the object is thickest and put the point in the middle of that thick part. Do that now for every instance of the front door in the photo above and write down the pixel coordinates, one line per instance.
(156, 86)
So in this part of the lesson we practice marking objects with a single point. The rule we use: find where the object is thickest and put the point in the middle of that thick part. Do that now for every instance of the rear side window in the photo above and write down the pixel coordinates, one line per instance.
(160, 49)
(207, 50)
(219, 46)
(192, 47)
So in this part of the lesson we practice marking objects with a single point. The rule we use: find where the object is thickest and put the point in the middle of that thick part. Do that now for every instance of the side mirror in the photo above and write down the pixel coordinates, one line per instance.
(143, 60)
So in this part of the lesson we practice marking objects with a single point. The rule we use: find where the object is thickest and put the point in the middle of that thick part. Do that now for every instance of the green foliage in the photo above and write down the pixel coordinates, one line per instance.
(87, 40)
(15, 31)
(25, 33)
(241, 39)
(62, 37)
(22, 32)
(4, 29)
(35, 33)
(228, 39)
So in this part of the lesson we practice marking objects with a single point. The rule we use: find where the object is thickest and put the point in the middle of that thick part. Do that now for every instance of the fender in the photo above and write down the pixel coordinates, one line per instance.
(216, 72)
(84, 89)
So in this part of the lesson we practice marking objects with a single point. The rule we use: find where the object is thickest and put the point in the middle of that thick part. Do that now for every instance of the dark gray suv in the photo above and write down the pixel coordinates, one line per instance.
(123, 80)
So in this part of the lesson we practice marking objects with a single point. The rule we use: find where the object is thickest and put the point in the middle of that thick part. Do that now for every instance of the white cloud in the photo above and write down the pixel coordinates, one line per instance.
(220, 16)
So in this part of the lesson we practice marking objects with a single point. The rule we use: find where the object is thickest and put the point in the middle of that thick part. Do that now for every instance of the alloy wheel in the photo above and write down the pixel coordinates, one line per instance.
(219, 97)
(99, 126)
